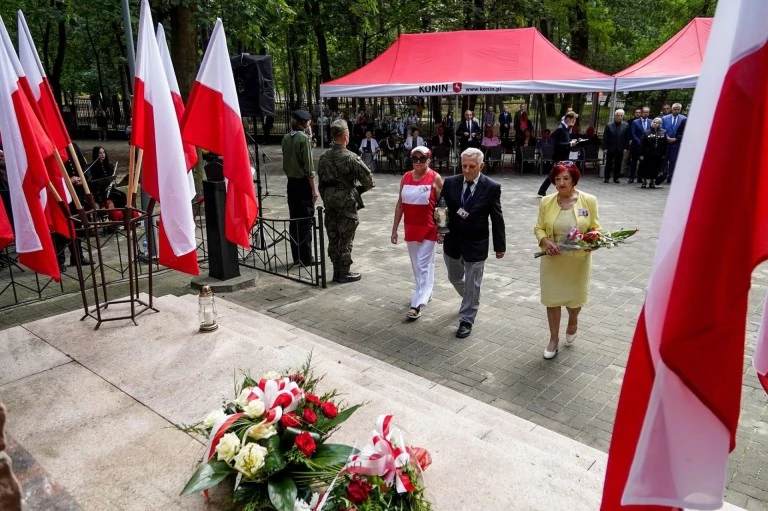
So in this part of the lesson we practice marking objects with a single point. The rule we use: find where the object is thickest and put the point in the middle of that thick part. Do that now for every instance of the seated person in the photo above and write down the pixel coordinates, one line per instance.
(441, 139)
(546, 140)
(591, 138)
(414, 140)
(368, 149)
(489, 139)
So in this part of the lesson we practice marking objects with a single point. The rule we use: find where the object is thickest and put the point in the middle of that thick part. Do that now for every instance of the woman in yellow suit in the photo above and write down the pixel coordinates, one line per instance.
(565, 274)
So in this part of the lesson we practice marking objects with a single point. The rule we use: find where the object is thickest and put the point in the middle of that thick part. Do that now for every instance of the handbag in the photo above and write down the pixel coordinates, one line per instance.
(661, 177)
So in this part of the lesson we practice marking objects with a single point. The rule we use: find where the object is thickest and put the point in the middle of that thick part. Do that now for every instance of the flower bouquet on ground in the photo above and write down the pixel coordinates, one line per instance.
(386, 475)
(591, 240)
(272, 441)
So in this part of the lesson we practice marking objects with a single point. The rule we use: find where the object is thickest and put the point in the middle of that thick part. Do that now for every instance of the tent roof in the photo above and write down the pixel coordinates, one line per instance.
(469, 62)
(675, 65)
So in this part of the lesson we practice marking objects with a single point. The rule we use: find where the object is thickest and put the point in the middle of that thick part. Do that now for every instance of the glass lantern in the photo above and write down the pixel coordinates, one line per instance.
(206, 310)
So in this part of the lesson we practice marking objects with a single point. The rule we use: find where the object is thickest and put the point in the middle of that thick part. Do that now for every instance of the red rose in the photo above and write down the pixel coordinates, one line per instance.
(289, 420)
(312, 399)
(329, 409)
(358, 490)
(296, 377)
(309, 416)
(306, 444)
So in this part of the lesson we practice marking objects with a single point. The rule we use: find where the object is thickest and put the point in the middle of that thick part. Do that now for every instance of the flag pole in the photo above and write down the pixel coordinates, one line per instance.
(137, 174)
(80, 173)
(131, 163)
(68, 181)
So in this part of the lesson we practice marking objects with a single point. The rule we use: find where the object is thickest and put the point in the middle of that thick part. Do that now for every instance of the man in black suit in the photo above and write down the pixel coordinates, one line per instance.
(615, 145)
(471, 198)
(562, 145)
(468, 132)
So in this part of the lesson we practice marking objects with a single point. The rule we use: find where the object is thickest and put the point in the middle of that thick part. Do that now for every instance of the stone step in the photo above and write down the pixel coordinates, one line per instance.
(478, 419)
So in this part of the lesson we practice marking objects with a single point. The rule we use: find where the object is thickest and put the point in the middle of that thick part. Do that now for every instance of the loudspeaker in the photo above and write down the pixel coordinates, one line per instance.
(255, 84)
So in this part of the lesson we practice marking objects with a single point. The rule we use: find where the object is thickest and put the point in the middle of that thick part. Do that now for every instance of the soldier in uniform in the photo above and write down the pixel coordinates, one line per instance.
(297, 165)
(337, 172)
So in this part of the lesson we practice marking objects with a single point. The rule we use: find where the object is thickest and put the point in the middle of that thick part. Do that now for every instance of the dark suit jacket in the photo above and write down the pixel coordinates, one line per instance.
(637, 132)
(468, 238)
(616, 137)
(505, 118)
(475, 134)
(562, 142)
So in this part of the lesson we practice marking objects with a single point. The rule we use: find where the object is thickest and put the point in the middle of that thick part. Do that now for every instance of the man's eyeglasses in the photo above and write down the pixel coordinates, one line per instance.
(421, 159)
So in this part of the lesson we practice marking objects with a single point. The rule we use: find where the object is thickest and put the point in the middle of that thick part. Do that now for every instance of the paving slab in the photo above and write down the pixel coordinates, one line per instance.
(22, 353)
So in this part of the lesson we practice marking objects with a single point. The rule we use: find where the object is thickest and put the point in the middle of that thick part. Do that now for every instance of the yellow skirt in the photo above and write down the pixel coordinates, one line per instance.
(565, 279)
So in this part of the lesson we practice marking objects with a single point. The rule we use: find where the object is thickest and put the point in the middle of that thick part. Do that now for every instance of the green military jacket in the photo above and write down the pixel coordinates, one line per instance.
(297, 155)
(338, 172)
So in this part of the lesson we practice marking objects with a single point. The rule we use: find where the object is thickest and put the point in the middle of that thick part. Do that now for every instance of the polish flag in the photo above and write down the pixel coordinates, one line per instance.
(212, 121)
(190, 153)
(679, 405)
(57, 220)
(156, 130)
(26, 147)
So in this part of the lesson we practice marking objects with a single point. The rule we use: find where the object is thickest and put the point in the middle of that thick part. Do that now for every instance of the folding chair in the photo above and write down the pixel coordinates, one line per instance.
(494, 157)
(547, 159)
(529, 155)
(591, 157)
(441, 154)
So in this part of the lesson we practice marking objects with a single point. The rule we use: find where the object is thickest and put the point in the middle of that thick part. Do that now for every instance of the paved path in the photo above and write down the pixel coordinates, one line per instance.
(501, 362)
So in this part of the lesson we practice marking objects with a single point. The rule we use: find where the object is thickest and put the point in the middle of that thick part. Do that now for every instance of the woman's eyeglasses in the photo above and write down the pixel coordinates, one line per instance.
(422, 159)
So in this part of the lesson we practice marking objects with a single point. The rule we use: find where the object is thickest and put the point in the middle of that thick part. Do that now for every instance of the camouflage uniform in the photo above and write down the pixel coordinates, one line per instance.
(338, 171)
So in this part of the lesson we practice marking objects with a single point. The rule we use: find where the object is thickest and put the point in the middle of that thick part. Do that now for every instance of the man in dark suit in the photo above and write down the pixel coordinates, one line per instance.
(671, 124)
(468, 132)
(615, 145)
(505, 122)
(562, 145)
(471, 199)
(636, 131)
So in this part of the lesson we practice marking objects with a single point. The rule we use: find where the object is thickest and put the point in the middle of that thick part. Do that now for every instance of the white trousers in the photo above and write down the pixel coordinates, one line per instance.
(422, 255)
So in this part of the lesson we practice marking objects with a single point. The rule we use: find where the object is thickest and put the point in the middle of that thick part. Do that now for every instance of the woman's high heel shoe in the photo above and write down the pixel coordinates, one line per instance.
(569, 338)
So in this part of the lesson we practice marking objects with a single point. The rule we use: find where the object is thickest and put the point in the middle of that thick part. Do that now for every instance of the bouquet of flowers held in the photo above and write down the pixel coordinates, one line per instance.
(591, 240)
(386, 475)
(272, 440)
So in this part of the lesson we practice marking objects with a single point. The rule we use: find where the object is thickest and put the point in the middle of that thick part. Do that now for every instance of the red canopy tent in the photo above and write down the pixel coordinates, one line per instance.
(675, 65)
(469, 62)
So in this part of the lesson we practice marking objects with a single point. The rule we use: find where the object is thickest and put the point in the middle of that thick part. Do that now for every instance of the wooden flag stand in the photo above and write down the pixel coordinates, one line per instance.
(93, 221)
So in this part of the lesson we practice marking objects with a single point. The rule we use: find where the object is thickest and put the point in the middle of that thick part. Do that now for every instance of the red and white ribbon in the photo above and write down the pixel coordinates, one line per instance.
(385, 456)
(279, 396)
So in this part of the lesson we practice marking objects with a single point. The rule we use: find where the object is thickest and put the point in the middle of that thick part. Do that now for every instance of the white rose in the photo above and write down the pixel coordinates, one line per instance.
(254, 409)
(213, 417)
(250, 459)
(261, 431)
(300, 505)
(228, 447)
(242, 399)
(271, 375)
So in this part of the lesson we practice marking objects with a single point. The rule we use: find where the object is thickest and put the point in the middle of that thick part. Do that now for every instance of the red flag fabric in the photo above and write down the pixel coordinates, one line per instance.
(680, 399)
(156, 130)
(212, 121)
(57, 220)
(6, 231)
(26, 147)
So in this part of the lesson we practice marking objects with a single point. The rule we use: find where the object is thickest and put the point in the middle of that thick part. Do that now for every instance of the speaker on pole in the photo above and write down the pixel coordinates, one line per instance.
(255, 84)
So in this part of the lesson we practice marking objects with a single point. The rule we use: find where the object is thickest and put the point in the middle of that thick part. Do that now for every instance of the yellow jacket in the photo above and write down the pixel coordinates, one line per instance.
(587, 217)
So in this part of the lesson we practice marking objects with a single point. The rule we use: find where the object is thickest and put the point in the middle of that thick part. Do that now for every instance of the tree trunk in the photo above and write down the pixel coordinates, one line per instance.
(58, 62)
(579, 25)
(436, 105)
(183, 47)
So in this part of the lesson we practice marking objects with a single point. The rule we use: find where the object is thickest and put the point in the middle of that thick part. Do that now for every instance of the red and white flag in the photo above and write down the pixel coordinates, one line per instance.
(57, 220)
(190, 153)
(156, 130)
(679, 405)
(212, 121)
(25, 148)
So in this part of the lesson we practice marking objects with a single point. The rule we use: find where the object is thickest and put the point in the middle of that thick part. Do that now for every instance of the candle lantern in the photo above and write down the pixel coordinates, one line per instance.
(207, 310)
(441, 217)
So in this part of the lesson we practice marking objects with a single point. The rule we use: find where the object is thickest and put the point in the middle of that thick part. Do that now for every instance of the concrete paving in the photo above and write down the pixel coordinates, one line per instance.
(500, 363)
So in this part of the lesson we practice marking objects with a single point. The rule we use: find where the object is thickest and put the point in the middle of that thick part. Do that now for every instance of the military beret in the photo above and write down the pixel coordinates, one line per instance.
(338, 127)
(302, 115)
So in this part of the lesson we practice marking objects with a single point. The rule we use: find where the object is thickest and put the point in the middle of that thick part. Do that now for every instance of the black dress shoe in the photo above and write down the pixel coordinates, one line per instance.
(606, 181)
(465, 328)
(62, 267)
(616, 181)
(83, 261)
(346, 277)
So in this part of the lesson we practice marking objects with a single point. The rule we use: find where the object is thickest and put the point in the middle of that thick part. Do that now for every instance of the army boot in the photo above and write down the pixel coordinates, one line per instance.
(342, 276)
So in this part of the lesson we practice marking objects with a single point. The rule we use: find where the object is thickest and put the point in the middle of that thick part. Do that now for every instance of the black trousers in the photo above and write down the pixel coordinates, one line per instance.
(301, 210)
(504, 132)
(613, 165)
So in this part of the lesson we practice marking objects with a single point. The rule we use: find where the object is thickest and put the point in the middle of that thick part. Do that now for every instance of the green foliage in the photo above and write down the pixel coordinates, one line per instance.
(207, 476)
(282, 493)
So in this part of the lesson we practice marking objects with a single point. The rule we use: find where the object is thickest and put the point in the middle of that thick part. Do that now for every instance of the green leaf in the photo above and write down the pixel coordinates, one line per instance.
(331, 454)
(207, 476)
(274, 461)
(282, 493)
(342, 416)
